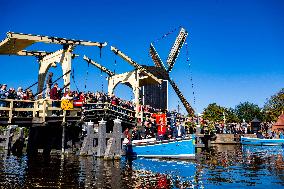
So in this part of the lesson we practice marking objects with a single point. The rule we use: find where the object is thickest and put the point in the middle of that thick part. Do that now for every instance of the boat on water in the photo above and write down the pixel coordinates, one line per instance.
(261, 142)
(180, 148)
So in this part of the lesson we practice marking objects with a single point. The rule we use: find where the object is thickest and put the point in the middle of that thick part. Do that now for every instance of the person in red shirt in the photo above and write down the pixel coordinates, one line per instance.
(54, 96)
(54, 92)
(162, 131)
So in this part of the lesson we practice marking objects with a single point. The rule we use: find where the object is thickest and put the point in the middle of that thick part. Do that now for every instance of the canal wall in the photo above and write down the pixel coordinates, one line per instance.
(230, 138)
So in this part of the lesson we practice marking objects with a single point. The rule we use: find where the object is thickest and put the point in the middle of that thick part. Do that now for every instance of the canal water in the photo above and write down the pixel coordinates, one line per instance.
(224, 166)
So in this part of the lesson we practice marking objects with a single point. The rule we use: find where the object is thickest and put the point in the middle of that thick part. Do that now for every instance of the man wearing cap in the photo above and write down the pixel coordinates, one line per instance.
(3, 95)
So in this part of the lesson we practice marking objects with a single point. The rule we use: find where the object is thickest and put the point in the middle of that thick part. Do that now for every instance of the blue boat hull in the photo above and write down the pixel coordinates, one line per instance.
(180, 149)
(261, 142)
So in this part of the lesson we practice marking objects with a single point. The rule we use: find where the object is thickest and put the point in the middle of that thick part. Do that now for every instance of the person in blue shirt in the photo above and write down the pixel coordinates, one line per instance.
(3, 95)
(281, 136)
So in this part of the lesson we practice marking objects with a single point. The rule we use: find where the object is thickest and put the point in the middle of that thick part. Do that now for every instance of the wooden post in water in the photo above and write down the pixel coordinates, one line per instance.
(17, 147)
(113, 148)
(101, 138)
(8, 139)
(117, 132)
(198, 142)
(88, 143)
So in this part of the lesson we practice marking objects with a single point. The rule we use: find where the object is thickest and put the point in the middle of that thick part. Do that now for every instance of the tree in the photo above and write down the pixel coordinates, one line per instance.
(274, 106)
(248, 111)
(213, 113)
(231, 116)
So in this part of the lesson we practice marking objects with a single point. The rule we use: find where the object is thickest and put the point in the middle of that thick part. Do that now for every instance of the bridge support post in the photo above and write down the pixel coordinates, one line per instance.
(117, 132)
(32, 141)
(88, 143)
(113, 148)
(18, 146)
(198, 142)
(8, 139)
(101, 138)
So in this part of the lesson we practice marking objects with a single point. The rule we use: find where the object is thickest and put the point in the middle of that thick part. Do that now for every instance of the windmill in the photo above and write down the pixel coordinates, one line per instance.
(165, 70)
(160, 70)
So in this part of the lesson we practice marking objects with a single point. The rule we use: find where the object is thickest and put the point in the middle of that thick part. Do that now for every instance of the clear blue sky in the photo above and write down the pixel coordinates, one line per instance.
(236, 48)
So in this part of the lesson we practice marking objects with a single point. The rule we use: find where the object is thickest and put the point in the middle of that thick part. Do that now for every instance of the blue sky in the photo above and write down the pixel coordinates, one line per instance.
(235, 47)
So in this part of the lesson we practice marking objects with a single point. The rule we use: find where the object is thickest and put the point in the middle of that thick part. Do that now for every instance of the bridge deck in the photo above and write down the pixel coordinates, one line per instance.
(41, 112)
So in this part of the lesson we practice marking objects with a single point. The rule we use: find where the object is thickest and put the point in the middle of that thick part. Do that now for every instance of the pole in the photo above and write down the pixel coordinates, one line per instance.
(63, 132)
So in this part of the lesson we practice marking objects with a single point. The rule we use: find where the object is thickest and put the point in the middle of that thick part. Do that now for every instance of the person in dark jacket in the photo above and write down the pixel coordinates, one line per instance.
(135, 134)
(169, 132)
(179, 131)
(48, 84)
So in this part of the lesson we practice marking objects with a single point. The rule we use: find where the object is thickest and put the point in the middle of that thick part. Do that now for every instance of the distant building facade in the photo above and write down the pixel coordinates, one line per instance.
(155, 95)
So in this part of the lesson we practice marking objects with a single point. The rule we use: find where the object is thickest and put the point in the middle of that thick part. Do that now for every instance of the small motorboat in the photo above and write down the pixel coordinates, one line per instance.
(180, 148)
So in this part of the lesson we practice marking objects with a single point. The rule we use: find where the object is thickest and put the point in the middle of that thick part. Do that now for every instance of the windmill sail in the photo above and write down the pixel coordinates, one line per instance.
(176, 48)
(155, 57)
(187, 106)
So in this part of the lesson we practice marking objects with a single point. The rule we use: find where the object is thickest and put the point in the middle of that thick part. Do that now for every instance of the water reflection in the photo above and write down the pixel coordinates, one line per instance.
(220, 167)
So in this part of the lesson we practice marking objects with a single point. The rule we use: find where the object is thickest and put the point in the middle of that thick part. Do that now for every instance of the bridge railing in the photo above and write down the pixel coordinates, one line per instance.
(43, 108)
(90, 107)
(125, 111)
(10, 108)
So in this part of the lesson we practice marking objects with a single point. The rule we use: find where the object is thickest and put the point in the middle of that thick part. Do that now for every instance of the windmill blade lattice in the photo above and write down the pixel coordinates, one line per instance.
(185, 103)
(155, 57)
(176, 49)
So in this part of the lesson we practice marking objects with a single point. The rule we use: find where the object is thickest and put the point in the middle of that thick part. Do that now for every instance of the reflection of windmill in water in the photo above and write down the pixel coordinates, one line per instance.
(162, 72)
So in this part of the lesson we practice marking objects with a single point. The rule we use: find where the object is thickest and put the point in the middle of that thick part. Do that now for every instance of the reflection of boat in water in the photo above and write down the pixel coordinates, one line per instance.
(179, 172)
(261, 142)
(262, 151)
(173, 148)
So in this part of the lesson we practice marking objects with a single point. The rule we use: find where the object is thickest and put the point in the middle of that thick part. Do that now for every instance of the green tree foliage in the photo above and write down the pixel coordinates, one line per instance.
(213, 113)
(231, 116)
(248, 111)
(274, 106)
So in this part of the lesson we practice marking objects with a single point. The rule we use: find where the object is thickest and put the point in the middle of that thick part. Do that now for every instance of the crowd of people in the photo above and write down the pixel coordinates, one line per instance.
(151, 128)
(53, 92)
(262, 130)
(18, 94)
(239, 128)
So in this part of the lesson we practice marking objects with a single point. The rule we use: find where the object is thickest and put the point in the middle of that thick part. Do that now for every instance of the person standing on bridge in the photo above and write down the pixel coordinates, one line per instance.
(48, 85)
(3, 95)
(54, 96)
